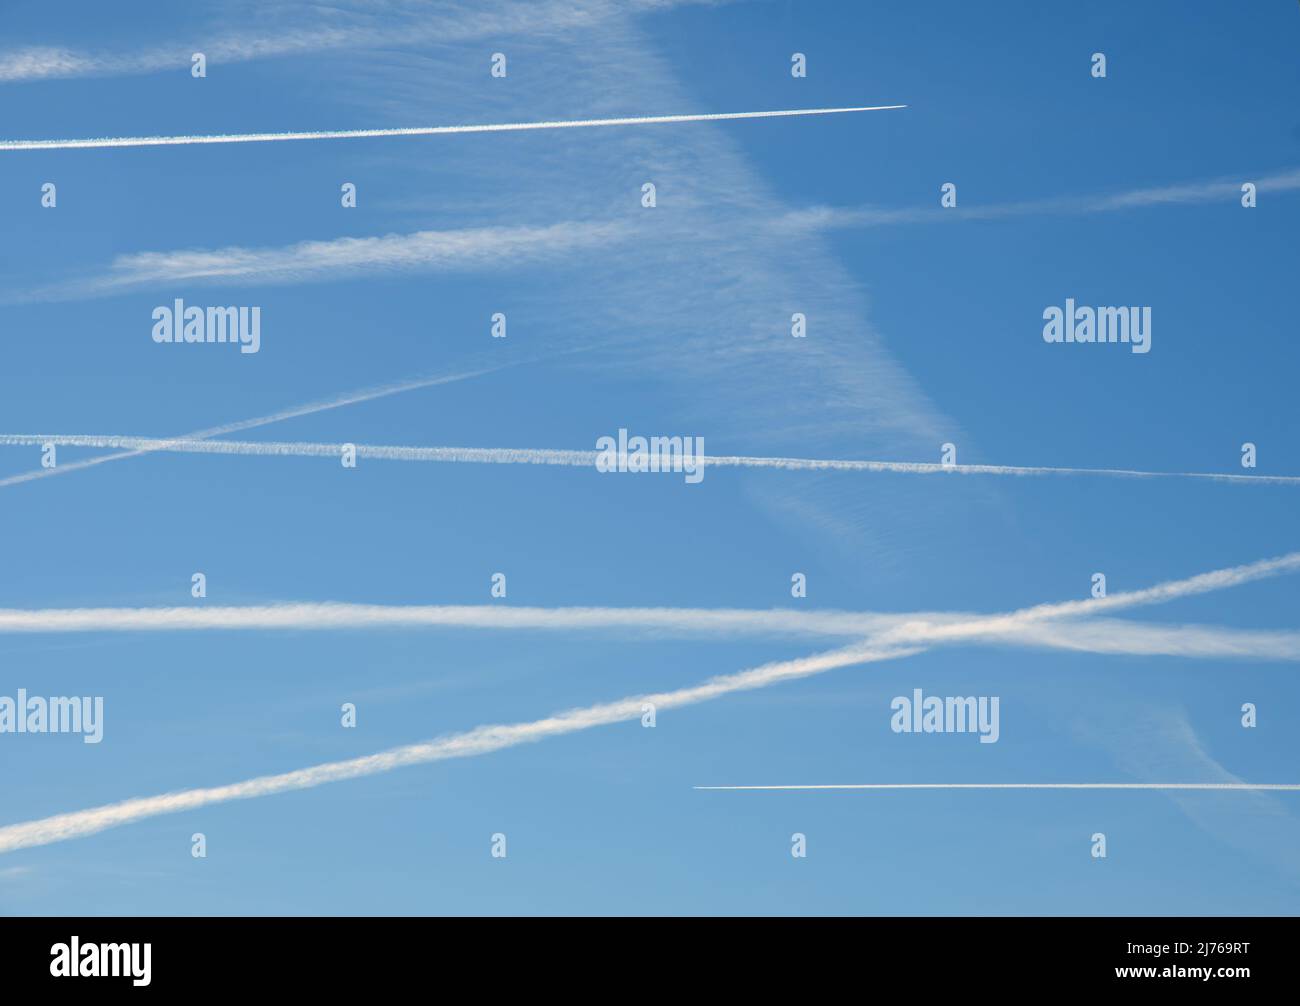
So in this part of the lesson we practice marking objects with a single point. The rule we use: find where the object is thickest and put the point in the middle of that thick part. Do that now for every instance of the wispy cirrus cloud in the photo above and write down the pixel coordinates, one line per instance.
(300, 30)
(709, 278)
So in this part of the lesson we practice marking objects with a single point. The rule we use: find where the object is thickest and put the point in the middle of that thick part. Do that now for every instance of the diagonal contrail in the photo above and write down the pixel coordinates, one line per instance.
(481, 740)
(1239, 786)
(586, 458)
(496, 737)
(356, 134)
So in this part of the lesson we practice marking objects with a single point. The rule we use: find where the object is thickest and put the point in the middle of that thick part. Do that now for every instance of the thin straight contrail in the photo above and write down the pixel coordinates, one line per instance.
(496, 737)
(358, 134)
(310, 408)
(584, 458)
(1238, 786)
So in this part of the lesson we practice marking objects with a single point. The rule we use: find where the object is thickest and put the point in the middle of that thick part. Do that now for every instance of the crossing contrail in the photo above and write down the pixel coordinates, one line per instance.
(1239, 786)
(486, 739)
(358, 134)
(310, 408)
(585, 458)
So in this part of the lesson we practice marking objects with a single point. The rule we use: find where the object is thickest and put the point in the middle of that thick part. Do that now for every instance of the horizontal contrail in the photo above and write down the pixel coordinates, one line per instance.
(1240, 786)
(581, 458)
(333, 616)
(357, 134)
(485, 739)
(827, 217)
(311, 261)
(1093, 635)
(931, 468)
(348, 398)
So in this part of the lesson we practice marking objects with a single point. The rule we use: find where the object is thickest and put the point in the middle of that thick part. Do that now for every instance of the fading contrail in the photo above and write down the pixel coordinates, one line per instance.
(348, 398)
(584, 458)
(932, 468)
(312, 261)
(827, 217)
(357, 134)
(1240, 786)
(414, 27)
(485, 739)
(417, 25)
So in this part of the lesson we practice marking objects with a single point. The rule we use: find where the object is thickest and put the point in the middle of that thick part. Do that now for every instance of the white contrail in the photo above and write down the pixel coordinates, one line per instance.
(1240, 786)
(931, 468)
(1122, 636)
(494, 127)
(339, 616)
(584, 458)
(480, 455)
(485, 739)
(311, 261)
(348, 398)
(827, 217)
(1049, 631)
(932, 632)
(481, 740)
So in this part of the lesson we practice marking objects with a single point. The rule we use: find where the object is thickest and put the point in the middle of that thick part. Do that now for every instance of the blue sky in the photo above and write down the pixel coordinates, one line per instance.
(672, 320)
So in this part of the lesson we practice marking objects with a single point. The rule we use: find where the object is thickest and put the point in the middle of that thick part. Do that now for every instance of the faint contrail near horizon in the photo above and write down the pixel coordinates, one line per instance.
(1242, 786)
(486, 739)
(351, 134)
(586, 458)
